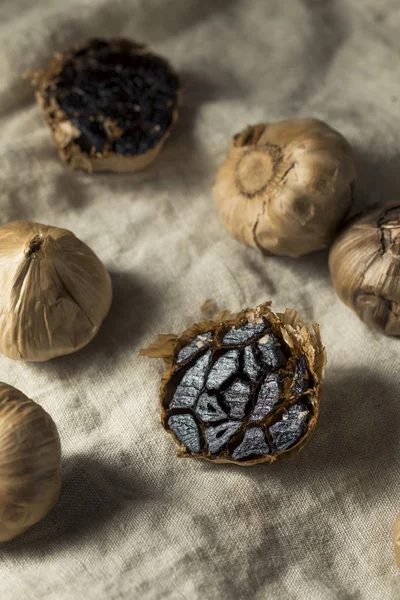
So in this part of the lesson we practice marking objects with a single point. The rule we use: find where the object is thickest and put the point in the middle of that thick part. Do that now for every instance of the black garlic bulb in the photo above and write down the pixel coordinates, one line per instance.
(365, 267)
(241, 388)
(110, 104)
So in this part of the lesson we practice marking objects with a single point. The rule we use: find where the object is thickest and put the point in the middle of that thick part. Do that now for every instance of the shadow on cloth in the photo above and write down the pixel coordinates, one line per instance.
(357, 433)
(183, 158)
(92, 495)
(346, 462)
(355, 437)
(160, 22)
(38, 191)
(329, 31)
(315, 277)
(70, 193)
(134, 302)
(263, 559)
(378, 179)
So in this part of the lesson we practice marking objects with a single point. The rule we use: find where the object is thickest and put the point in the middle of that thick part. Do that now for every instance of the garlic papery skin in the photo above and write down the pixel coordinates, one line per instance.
(396, 540)
(365, 266)
(285, 187)
(54, 295)
(30, 463)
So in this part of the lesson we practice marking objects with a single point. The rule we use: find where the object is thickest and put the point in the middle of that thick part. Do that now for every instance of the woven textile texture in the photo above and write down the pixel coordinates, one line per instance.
(133, 521)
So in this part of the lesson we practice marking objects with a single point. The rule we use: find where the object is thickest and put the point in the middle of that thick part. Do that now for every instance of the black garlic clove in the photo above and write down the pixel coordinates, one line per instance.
(186, 430)
(254, 443)
(268, 396)
(290, 428)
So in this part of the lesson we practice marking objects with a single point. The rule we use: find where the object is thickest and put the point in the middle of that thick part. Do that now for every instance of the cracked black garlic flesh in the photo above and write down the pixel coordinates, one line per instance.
(365, 266)
(110, 104)
(285, 187)
(54, 295)
(241, 388)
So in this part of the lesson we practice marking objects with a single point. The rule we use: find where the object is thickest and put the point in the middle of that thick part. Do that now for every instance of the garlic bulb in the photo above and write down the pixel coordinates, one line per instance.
(54, 295)
(110, 104)
(285, 187)
(396, 540)
(365, 267)
(241, 388)
(30, 460)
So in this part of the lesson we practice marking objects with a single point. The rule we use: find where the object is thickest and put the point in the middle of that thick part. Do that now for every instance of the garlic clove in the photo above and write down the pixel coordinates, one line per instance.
(55, 292)
(285, 187)
(365, 267)
(30, 463)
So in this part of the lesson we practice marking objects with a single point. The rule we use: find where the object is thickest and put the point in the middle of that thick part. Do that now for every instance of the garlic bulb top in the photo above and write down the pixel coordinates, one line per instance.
(30, 459)
(285, 187)
(54, 295)
(365, 267)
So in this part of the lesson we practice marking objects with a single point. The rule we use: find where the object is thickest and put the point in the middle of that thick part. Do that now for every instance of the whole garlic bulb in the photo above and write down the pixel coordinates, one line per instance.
(54, 292)
(365, 267)
(285, 187)
(30, 463)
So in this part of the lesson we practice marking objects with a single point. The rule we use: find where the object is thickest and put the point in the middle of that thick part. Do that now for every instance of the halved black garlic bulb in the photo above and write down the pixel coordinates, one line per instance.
(110, 104)
(241, 388)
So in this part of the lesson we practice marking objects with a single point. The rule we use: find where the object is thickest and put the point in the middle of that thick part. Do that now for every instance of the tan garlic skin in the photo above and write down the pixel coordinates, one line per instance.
(54, 295)
(30, 463)
(285, 187)
(365, 266)
(396, 540)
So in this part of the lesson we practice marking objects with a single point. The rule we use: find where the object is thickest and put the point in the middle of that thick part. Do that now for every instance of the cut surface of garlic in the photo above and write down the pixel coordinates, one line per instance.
(241, 388)
(285, 187)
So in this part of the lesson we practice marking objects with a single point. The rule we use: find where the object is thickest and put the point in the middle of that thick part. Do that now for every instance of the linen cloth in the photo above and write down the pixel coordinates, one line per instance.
(133, 521)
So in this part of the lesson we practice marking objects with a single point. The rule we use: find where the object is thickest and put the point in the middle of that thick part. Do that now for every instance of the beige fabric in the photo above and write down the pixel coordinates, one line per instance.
(133, 521)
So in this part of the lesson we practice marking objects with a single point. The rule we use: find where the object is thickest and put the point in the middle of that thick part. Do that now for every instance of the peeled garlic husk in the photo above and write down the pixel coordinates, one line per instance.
(30, 463)
(54, 295)
(396, 540)
(285, 187)
(365, 267)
